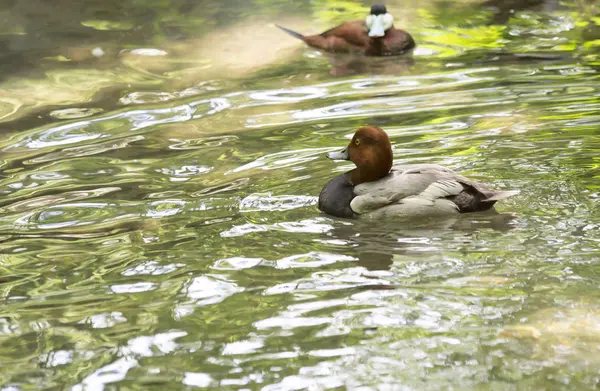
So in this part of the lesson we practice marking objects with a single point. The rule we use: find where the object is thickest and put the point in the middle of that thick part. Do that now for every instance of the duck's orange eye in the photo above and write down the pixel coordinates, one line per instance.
(357, 141)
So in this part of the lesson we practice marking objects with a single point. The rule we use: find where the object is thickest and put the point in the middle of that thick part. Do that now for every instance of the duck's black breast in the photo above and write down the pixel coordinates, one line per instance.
(336, 196)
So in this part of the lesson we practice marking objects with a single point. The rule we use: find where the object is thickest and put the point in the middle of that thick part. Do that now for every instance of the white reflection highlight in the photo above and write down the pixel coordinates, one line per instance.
(267, 202)
(57, 358)
(105, 320)
(333, 352)
(289, 95)
(289, 323)
(306, 383)
(110, 373)
(206, 290)
(196, 379)
(149, 52)
(152, 268)
(303, 226)
(242, 347)
(164, 208)
(133, 288)
(149, 346)
(236, 263)
(312, 260)
(283, 159)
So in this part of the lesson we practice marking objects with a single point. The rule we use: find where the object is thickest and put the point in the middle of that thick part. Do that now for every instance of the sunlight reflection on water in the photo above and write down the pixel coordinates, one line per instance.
(159, 229)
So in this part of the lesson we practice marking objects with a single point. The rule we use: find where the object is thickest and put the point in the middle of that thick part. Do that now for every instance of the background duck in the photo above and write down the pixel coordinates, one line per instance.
(376, 36)
(375, 189)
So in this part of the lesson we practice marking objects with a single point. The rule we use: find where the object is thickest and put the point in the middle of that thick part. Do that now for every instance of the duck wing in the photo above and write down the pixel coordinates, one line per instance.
(354, 33)
(424, 189)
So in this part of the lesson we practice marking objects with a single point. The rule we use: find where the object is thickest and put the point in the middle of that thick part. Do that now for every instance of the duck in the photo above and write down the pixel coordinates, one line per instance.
(376, 188)
(375, 36)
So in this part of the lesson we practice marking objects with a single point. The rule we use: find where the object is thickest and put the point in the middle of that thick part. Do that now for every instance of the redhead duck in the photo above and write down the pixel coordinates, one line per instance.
(375, 189)
(376, 36)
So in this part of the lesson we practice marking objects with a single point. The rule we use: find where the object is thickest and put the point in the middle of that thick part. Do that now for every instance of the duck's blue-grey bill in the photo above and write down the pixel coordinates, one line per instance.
(341, 155)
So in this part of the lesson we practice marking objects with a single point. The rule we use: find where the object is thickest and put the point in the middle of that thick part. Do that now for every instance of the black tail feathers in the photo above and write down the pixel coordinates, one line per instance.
(291, 32)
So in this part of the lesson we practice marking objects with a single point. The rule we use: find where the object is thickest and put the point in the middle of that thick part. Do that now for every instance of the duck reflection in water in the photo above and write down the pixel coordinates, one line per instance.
(352, 64)
(375, 245)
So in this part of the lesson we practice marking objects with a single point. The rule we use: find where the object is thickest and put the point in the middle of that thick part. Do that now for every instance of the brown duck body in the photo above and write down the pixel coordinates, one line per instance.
(354, 37)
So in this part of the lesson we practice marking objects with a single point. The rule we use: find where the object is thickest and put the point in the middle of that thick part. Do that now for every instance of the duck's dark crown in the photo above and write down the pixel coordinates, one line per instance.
(378, 9)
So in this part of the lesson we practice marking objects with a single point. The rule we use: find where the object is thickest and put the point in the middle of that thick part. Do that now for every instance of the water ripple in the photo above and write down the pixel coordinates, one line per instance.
(82, 131)
(157, 231)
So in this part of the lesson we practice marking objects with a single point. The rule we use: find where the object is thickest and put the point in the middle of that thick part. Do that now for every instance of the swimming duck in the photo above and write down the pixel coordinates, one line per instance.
(375, 189)
(376, 36)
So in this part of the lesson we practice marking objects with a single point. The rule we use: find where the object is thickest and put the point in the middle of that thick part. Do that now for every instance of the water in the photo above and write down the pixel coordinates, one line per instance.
(158, 227)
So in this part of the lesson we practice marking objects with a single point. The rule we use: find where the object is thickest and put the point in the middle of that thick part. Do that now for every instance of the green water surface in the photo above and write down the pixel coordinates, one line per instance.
(160, 165)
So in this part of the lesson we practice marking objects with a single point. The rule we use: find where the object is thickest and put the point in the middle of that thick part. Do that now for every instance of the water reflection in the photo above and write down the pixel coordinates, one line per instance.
(158, 224)
(348, 65)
